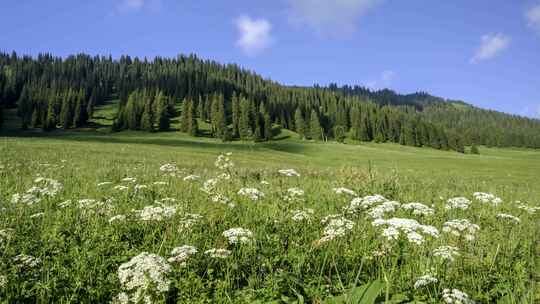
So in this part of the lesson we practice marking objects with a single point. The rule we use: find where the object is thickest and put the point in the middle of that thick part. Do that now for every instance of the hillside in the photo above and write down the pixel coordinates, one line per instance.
(51, 92)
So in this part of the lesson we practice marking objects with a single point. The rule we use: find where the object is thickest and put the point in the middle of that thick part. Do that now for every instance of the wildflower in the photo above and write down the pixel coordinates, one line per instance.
(169, 169)
(130, 180)
(425, 280)
(456, 296)
(224, 176)
(121, 188)
(380, 210)
(336, 226)
(6, 234)
(457, 203)
(142, 274)
(238, 235)
(289, 172)
(509, 217)
(36, 215)
(302, 215)
(181, 254)
(411, 228)
(253, 193)
(48, 187)
(3, 281)
(461, 227)
(65, 204)
(26, 198)
(342, 190)
(528, 209)
(117, 218)
(263, 182)
(209, 185)
(222, 199)
(446, 252)
(191, 177)
(487, 198)
(102, 184)
(188, 221)
(223, 161)
(418, 209)
(218, 253)
(159, 183)
(155, 213)
(28, 261)
(366, 202)
(140, 187)
(294, 194)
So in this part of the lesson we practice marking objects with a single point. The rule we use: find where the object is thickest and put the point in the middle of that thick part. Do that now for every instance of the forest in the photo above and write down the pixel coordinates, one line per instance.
(51, 92)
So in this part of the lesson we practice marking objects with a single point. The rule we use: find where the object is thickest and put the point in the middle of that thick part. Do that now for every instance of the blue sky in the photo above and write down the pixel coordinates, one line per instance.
(485, 52)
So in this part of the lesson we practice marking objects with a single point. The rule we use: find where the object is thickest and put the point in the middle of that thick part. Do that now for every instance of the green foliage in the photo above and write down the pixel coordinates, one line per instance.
(474, 149)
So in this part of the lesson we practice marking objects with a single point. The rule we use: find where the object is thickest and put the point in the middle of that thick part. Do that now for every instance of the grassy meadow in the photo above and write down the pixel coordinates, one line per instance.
(89, 216)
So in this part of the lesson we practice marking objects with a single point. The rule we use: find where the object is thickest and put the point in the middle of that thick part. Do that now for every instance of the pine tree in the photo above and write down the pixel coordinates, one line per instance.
(147, 118)
(299, 123)
(221, 121)
(315, 128)
(193, 126)
(184, 120)
(235, 115)
(65, 113)
(201, 109)
(77, 118)
(50, 121)
(267, 122)
(474, 149)
(340, 133)
(161, 116)
(91, 104)
(25, 108)
(244, 124)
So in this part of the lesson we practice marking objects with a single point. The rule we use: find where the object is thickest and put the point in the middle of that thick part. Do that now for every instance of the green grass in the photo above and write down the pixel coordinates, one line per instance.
(80, 251)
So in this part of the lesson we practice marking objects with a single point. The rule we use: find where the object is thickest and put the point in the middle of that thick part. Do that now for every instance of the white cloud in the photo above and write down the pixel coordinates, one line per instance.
(490, 46)
(255, 35)
(125, 6)
(384, 81)
(533, 17)
(335, 17)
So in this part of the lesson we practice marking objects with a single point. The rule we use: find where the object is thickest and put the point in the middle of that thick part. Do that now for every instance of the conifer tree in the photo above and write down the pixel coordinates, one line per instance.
(340, 133)
(201, 109)
(50, 121)
(65, 113)
(315, 128)
(184, 116)
(299, 123)
(25, 108)
(91, 104)
(162, 113)
(193, 126)
(244, 124)
(147, 118)
(267, 122)
(474, 149)
(235, 115)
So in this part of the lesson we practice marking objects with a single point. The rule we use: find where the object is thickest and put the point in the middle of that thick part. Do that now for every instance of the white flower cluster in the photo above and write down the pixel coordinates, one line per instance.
(461, 227)
(386, 207)
(487, 198)
(509, 217)
(6, 234)
(528, 209)
(103, 184)
(223, 162)
(418, 209)
(3, 281)
(457, 203)
(169, 169)
(222, 199)
(130, 180)
(155, 213)
(27, 261)
(289, 172)
(91, 206)
(362, 203)
(47, 187)
(238, 235)
(25, 198)
(218, 253)
(336, 226)
(446, 252)
(253, 193)
(140, 275)
(181, 254)
(456, 296)
(302, 215)
(409, 227)
(425, 280)
(117, 218)
(209, 185)
(294, 195)
(191, 177)
(343, 190)
(188, 221)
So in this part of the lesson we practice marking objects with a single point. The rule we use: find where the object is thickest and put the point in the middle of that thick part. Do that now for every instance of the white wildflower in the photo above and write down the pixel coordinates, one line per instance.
(102, 184)
(263, 182)
(337, 226)
(47, 187)
(209, 185)
(170, 169)
(294, 195)
(65, 204)
(461, 227)
(487, 198)
(26, 198)
(28, 261)
(218, 253)
(155, 213)
(457, 203)
(3, 281)
(446, 252)
(380, 210)
(191, 177)
(188, 221)
(418, 209)
(289, 172)
(362, 203)
(181, 254)
(36, 215)
(342, 190)
(253, 193)
(528, 209)
(509, 217)
(130, 180)
(117, 218)
(6, 234)
(121, 188)
(159, 183)
(425, 280)
(143, 272)
(302, 215)
(409, 227)
(224, 176)
(238, 235)
(456, 296)
(139, 187)
(223, 162)
(222, 199)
